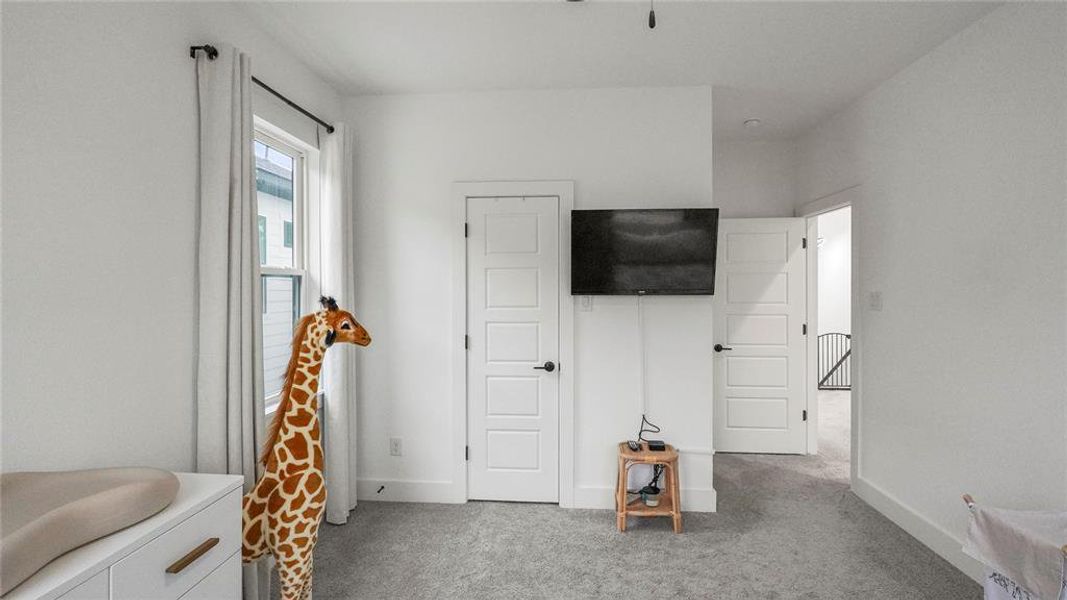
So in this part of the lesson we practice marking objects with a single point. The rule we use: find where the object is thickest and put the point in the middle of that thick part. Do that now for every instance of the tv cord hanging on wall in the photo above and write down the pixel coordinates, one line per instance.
(646, 427)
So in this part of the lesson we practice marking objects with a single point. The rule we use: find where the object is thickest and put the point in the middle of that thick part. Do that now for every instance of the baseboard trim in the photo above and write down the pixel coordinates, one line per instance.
(934, 537)
(603, 497)
(403, 490)
(446, 492)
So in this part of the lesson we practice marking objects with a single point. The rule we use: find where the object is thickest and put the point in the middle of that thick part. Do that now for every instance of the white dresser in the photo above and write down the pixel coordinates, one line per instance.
(190, 550)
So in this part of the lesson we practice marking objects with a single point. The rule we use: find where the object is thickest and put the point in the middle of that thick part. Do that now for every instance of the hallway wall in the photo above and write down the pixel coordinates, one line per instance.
(835, 271)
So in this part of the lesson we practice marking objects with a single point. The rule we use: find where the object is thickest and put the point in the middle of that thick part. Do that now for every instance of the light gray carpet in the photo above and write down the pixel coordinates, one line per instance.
(787, 527)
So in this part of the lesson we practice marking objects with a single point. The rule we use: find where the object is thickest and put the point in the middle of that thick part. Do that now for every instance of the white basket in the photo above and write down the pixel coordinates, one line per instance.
(1000, 587)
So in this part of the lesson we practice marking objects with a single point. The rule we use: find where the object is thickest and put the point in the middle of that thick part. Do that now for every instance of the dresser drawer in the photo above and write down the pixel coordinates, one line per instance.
(224, 583)
(94, 589)
(143, 574)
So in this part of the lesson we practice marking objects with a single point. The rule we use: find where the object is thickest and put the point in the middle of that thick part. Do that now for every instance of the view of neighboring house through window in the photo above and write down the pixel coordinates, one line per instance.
(279, 177)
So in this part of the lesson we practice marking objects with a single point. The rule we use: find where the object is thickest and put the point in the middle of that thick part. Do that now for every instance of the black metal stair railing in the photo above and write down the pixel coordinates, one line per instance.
(835, 351)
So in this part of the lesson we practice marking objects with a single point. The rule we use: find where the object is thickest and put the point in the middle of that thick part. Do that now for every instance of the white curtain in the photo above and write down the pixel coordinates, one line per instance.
(339, 372)
(229, 371)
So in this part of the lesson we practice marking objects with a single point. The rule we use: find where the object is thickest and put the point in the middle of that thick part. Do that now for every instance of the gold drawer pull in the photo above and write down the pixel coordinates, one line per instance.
(194, 554)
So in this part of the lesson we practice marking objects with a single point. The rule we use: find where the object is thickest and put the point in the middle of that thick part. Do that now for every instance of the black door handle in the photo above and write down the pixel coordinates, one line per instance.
(720, 348)
(549, 366)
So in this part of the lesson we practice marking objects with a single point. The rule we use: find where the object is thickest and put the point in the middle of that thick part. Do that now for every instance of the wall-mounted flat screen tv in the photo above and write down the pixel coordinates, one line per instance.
(644, 251)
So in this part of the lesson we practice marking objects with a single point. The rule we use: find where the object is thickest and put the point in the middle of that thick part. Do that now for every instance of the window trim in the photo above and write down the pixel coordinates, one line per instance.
(306, 254)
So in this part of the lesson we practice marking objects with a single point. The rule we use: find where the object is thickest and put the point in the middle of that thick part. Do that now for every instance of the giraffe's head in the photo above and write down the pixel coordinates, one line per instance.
(341, 326)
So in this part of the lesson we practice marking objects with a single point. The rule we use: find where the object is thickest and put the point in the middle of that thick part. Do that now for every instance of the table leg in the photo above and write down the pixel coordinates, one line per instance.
(676, 498)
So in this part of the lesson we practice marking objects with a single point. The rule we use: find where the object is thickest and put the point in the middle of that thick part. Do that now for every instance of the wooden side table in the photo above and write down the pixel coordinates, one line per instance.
(670, 503)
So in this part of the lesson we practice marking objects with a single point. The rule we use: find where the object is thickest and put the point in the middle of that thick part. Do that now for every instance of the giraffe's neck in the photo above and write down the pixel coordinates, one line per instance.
(300, 435)
(303, 393)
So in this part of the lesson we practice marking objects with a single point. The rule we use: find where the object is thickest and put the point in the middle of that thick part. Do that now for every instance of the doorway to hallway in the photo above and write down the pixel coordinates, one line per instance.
(833, 327)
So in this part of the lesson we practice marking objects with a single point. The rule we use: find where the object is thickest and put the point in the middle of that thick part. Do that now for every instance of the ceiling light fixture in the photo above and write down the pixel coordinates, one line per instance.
(651, 14)
(752, 123)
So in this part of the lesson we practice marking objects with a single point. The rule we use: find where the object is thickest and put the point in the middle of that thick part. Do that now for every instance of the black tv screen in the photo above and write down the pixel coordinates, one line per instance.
(643, 251)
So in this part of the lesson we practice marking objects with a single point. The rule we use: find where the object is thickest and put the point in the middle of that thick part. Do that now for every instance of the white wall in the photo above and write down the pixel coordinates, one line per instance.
(835, 271)
(623, 148)
(99, 177)
(961, 225)
(755, 178)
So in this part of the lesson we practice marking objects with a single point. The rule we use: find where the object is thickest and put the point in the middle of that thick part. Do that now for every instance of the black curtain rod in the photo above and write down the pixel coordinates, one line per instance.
(213, 53)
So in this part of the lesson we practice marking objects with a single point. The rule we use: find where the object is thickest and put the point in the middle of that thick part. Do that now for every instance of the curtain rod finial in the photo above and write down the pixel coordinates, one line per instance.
(211, 51)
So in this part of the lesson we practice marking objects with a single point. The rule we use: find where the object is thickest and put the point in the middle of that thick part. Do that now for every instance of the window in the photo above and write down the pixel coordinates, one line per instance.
(280, 176)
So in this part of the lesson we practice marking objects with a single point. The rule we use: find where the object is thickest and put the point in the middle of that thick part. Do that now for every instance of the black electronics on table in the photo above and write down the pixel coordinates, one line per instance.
(644, 251)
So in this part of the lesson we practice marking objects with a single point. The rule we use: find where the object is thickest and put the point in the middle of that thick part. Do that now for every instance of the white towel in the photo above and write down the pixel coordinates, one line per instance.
(1023, 545)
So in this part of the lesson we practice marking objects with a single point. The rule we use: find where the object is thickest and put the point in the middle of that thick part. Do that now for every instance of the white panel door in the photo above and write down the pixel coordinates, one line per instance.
(760, 351)
(512, 361)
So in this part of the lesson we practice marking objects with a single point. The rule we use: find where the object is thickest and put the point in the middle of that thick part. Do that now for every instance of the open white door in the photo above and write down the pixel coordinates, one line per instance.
(512, 362)
(760, 309)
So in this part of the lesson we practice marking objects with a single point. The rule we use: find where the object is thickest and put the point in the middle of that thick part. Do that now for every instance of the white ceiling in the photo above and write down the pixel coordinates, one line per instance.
(790, 64)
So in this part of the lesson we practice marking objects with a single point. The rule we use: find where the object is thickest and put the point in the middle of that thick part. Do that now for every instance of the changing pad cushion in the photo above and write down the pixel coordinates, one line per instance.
(43, 515)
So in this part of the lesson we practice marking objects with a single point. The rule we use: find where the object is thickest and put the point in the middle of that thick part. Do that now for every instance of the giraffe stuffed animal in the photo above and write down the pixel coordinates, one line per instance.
(282, 512)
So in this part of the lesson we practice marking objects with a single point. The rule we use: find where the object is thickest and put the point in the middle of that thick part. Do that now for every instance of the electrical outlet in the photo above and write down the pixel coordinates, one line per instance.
(874, 300)
(586, 303)
(396, 447)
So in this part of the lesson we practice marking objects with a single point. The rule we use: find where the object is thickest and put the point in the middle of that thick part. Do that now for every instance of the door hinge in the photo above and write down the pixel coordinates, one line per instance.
(466, 230)
(803, 242)
(466, 453)
(804, 329)
(804, 414)
(466, 342)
